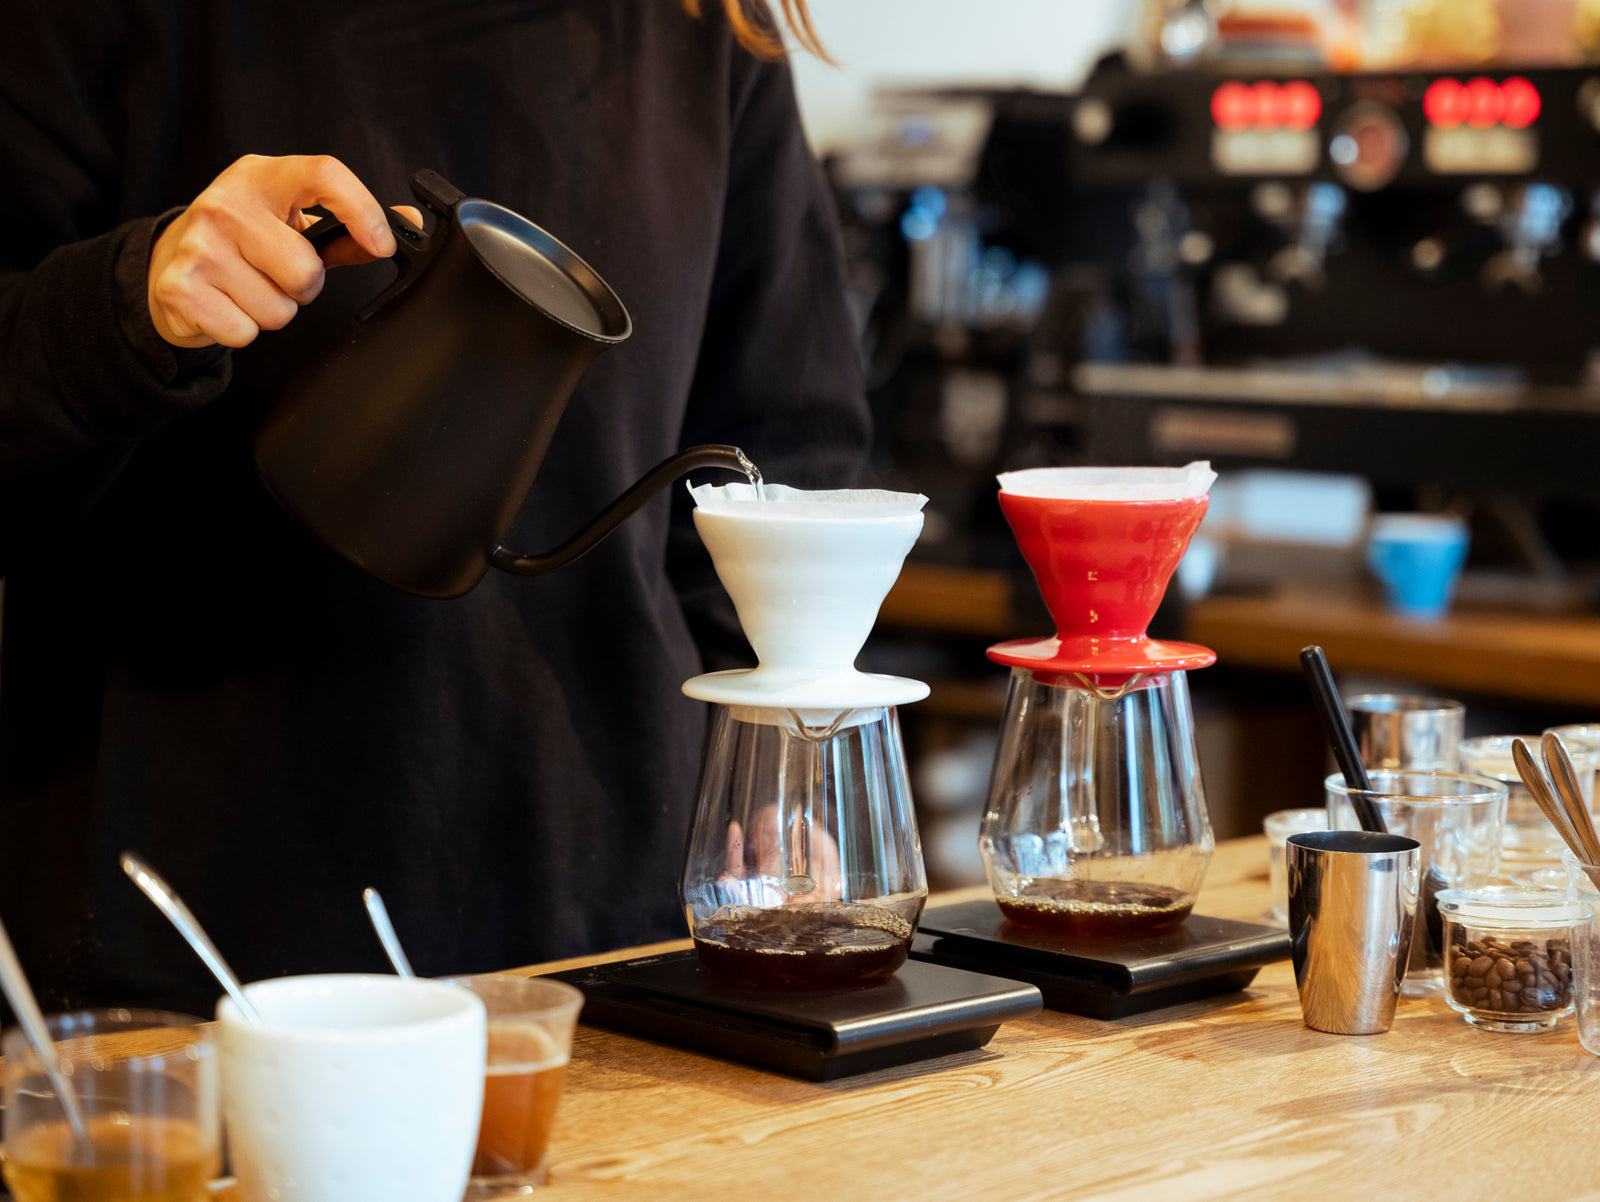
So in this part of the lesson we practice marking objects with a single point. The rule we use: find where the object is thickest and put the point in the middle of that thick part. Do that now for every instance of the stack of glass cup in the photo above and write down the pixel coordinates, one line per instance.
(1408, 744)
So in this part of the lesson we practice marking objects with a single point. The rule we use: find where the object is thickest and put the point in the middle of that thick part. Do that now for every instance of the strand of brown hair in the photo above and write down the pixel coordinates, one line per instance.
(754, 29)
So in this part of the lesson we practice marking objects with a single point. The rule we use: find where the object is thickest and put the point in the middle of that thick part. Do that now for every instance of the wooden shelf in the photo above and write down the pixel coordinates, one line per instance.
(1543, 658)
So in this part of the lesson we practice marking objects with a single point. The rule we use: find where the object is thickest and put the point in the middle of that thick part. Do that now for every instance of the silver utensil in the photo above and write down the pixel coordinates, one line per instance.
(168, 902)
(1538, 784)
(1559, 765)
(379, 914)
(20, 995)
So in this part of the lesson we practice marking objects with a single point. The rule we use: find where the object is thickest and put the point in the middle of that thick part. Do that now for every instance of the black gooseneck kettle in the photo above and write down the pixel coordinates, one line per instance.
(410, 449)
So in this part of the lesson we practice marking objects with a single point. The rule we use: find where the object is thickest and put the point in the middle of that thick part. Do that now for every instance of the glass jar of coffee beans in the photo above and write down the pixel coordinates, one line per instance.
(1508, 955)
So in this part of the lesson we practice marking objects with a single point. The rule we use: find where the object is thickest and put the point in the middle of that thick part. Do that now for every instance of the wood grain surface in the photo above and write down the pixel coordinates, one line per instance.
(1230, 1098)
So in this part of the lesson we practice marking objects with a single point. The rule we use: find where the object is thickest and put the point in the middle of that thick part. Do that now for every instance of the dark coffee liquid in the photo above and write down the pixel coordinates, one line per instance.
(814, 945)
(1098, 909)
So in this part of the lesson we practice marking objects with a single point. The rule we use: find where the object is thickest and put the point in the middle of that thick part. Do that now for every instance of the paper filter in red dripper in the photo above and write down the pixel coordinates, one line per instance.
(1102, 566)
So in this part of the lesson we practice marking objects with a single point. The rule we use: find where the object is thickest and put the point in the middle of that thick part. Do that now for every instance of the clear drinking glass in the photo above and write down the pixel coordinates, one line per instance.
(1096, 821)
(804, 867)
(1585, 950)
(1402, 731)
(1277, 827)
(146, 1084)
(1530, 843)
(1458, 820)
(1586, 737)
(530, 1041)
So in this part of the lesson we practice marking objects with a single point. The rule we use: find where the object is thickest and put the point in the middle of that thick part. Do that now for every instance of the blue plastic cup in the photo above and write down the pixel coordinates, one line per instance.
(1418, 557)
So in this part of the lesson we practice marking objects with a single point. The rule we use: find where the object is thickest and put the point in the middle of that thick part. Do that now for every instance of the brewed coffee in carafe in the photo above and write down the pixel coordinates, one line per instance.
(1096, 823)
(804, 868)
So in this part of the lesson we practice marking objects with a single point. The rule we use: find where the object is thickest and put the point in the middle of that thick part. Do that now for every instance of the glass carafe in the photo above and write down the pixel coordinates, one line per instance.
(804, 868)
(1096, 821)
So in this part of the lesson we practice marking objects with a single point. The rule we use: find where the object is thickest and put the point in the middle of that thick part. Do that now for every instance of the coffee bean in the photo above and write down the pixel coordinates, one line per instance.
(1521, 976)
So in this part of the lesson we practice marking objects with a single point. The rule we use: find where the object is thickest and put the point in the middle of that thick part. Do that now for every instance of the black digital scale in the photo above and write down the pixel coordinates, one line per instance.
(924, 1010)
(1102, 978)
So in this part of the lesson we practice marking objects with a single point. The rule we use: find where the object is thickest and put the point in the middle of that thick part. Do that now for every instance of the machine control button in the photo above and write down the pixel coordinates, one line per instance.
(1369, 145)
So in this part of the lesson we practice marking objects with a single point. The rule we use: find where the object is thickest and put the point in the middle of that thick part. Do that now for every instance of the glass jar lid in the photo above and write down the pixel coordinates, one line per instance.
(1513, 905)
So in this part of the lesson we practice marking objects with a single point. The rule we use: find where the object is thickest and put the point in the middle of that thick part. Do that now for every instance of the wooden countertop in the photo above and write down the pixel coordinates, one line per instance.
(1212, 1100)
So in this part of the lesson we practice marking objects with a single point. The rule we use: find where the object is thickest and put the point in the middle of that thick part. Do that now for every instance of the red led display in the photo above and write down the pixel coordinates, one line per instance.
(1445, 103)
(1481, 103)
(1266, 105)
(1485, 104)
(1522, 102)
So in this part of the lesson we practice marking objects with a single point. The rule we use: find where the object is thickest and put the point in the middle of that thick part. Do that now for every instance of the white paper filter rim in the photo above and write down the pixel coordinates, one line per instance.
(1111, 483)
(779, 502)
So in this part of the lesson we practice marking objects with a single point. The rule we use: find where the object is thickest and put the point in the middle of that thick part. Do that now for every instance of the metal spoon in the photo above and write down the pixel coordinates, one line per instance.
(379, 914)
(20, 995)
(1559, 765)
(1538, 784)
(168, 902)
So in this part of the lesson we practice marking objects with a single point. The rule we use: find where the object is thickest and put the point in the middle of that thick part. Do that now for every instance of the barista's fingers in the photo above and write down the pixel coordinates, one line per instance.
(258, 296)
(285, 258)
(298, 181)
(735, 855)
(210, 316)
(345, 252)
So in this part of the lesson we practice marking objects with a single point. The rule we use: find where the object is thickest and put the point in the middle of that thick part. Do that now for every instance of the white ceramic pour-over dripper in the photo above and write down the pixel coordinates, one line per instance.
(807, 572)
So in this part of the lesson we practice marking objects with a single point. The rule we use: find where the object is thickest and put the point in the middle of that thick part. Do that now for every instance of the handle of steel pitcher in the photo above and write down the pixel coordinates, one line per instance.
(413, 247)
(580, 544)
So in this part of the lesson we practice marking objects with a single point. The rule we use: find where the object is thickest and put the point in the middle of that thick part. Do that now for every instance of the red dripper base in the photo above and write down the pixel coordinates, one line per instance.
(1102, 568)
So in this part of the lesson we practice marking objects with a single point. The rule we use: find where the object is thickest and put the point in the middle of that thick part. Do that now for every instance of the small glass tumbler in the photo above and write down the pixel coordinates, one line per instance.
(146, 1085)
(1278, 827)
(1530, 841)
(1398, 731)
(1508, 956)
(1459, 820)
(1581, 886)
(1587, 738)
(530, 1042)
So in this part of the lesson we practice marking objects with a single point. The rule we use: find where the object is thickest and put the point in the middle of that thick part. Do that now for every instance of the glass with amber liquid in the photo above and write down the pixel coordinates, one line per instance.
(530, 1041)
(804, 868)
(146, 1084)
(1096, 823)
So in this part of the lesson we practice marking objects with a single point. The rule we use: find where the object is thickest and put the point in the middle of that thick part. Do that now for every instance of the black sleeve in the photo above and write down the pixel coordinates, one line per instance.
(779, 372)
(83, 375)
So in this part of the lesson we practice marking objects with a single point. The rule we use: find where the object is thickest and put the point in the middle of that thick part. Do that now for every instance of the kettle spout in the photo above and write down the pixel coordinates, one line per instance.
(580, 544)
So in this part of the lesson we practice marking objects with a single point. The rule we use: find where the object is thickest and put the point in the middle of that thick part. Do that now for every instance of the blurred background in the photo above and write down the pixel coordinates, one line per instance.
(1348, 252)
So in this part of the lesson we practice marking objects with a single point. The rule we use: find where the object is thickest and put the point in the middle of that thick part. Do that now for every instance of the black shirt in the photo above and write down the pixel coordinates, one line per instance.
(185, 673)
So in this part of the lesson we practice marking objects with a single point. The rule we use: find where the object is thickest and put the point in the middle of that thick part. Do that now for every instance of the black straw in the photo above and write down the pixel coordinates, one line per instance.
(1336, 725)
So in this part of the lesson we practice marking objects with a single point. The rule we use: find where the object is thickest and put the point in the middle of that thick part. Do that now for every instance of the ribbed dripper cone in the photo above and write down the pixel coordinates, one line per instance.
(807, 587)
(1102, 566)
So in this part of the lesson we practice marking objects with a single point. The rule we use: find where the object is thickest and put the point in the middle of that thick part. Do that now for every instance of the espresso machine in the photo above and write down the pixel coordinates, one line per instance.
(1388, 273)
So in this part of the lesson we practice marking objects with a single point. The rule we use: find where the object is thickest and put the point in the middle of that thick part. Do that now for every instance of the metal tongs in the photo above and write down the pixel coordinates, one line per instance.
(1560, 798)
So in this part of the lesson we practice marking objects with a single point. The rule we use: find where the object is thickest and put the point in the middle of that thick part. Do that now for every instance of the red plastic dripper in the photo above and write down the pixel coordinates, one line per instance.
(1102, 567)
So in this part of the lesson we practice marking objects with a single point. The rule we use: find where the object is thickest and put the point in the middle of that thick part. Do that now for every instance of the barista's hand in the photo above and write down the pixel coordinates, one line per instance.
(234, 262)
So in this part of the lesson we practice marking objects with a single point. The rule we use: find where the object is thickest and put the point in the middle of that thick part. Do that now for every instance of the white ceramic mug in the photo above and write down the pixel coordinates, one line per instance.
(353, 1087)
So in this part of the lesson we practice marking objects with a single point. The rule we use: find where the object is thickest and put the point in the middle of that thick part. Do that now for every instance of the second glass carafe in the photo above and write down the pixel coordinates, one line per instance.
(1096, 822)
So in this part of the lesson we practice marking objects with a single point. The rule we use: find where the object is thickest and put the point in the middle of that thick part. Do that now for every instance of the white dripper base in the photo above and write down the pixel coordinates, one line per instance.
(807, 572)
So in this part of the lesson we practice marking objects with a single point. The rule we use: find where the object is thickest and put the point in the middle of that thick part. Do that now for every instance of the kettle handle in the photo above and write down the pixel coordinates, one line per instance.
(580, 544)
(413, 249)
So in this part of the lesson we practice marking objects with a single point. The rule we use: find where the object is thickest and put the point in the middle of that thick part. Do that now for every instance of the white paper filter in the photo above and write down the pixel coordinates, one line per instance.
(1110, 483)
(779, 501)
